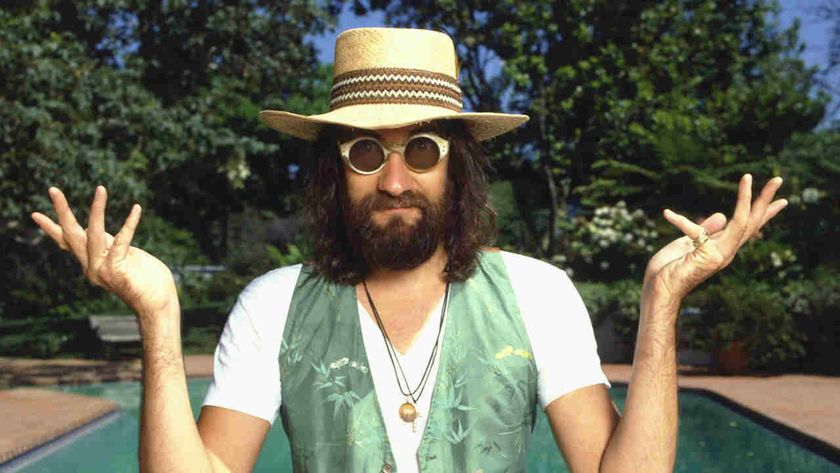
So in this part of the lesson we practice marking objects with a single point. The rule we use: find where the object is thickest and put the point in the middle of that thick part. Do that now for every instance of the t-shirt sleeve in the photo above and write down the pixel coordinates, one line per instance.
(558, 326)
(246, 370)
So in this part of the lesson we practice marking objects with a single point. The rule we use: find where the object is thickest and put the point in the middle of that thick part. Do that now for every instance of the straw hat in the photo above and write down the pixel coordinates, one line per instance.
(389, 78)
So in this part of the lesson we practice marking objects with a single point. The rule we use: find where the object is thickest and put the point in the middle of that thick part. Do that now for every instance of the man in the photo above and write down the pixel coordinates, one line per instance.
(406, 344)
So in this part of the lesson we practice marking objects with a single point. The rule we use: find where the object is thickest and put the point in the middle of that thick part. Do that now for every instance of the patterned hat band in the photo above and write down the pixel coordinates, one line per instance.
(395, 86)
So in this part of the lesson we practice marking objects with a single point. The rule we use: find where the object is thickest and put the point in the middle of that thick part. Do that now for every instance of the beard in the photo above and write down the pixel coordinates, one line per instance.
(396, 245)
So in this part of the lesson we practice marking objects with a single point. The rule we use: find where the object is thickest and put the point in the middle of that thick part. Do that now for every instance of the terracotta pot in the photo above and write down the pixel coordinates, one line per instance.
(733, 358)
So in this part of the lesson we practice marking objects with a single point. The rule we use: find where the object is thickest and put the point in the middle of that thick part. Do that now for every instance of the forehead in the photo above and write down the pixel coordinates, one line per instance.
(348, 133)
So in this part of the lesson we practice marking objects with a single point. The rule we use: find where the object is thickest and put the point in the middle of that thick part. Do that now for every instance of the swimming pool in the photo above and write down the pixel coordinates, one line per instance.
(712, 439)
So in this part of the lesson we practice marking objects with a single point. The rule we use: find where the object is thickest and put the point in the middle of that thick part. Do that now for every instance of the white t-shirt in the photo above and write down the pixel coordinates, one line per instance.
(246, 370)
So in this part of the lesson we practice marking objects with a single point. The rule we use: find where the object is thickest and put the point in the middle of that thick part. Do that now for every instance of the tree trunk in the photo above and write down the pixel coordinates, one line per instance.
(545, 166)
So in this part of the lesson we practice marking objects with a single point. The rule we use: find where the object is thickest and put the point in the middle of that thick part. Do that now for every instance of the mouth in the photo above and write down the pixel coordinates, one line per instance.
(397, 212)
(398, 209)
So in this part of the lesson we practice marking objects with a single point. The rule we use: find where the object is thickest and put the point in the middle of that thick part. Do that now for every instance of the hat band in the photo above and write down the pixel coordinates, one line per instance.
(395, 86)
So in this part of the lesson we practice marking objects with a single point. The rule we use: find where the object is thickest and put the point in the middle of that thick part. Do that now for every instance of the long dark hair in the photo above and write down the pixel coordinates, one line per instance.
(471, 219)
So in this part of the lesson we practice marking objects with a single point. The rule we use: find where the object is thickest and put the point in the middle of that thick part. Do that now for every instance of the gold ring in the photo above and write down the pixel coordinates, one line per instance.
(701, 239)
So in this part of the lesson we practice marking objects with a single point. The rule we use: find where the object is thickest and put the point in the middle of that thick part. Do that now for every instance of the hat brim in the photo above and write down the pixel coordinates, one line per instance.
(482, 125)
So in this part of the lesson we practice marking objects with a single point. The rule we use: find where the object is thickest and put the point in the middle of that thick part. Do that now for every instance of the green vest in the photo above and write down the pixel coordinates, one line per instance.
(484, 400)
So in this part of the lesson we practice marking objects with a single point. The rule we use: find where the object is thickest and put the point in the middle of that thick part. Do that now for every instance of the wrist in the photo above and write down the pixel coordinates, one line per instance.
(163, 321)
(656, 307)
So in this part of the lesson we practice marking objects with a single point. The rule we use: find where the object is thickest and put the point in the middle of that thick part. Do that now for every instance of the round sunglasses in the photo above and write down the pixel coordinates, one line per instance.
(367, 155)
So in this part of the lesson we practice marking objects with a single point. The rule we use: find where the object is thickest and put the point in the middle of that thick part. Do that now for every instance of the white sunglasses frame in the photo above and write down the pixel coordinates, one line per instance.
(441, 142)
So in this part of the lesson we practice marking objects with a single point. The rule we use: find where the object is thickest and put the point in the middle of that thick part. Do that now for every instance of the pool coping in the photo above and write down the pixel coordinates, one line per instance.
(33, 418)
(773, 414)
(771, 411)
(40, 451)
(814, 445)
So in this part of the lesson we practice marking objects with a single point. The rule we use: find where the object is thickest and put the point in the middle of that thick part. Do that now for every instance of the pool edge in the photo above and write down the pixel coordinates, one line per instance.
(812, 444)
(40, 451)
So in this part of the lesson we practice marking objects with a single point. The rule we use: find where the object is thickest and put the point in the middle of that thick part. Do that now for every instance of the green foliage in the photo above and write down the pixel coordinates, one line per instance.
(815, 304)
(158, 101)
(619, 300)
(657, 103)
(768, 261)
(511, 231)
(243, 265)
(810, 224)
(613, 245)
(750, 312)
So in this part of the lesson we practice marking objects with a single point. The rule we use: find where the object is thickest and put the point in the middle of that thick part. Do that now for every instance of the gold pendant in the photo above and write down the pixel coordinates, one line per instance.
(408, 412)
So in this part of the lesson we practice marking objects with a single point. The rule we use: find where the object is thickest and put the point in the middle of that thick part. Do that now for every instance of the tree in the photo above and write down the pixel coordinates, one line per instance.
(645, 101)
(159, 101)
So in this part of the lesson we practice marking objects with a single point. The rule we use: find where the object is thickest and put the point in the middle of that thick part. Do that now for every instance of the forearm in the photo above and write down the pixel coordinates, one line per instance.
(646, 436)
(169, 439)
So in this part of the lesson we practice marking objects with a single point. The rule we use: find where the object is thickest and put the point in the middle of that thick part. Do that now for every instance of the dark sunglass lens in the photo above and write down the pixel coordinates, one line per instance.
(366, 155)
(422, 153)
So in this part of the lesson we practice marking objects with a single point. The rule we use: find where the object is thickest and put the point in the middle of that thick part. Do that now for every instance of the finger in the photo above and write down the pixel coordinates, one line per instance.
(730, 240)
(122, 241)
(772, 210)
(715, 223)
(52, 229)
(72, 232)
(689, 228)
(759, 208)
(96, 241)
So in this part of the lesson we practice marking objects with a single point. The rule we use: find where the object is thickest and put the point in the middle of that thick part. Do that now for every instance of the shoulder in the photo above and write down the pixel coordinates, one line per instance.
(544, 291)
(264, 303)
(271, 284)
(522, 268)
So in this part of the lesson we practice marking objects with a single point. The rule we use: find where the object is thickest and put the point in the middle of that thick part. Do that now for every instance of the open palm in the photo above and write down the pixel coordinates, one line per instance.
(142, 281)
(676, 269)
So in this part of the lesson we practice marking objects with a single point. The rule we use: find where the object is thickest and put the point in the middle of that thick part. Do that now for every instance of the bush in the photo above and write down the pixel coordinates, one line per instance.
(619, 300)
(613, 245)
(749, 312)
(815, 303)
(243, 265)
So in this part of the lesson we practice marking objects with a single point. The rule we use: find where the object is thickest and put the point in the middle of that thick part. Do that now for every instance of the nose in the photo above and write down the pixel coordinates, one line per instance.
(395, 177)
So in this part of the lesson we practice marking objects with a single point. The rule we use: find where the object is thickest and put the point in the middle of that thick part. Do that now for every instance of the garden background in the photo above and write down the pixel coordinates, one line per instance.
(635, 105)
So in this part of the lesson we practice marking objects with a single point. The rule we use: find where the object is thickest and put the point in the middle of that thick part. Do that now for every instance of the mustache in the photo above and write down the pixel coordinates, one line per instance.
(383, 201)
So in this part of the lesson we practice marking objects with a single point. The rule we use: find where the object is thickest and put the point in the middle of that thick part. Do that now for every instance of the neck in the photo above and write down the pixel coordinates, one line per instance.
(429, 273)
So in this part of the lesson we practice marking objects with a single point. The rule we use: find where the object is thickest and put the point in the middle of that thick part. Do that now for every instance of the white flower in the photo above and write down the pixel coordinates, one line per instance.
(628, 237)
(339, 363)
(569, 271)
(604, 243)
(810, 195)
(604, 265)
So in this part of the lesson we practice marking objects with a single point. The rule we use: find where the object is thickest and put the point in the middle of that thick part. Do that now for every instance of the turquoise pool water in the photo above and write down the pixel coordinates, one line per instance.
(712, 439)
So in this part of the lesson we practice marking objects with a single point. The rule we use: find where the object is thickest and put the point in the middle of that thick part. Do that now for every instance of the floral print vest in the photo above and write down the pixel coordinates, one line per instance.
(484, 399)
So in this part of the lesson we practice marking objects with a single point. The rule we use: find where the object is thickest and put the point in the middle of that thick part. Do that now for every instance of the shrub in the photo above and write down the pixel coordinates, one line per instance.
(815, 303)
(619, 300)
(244, 264)
(613, 245)
(749, 312)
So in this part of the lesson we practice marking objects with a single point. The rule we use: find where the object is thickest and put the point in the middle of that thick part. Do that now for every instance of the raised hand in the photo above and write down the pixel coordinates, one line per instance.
(675, 270)
(142, 281)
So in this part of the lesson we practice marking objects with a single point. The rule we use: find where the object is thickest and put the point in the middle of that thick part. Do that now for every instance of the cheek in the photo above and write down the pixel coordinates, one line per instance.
(435, 184)
(358, 186)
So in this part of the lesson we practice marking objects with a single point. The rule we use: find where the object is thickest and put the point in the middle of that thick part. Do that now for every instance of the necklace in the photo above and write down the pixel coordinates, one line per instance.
(408, 409)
